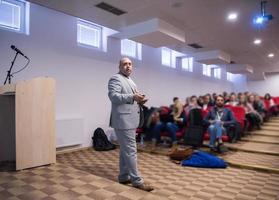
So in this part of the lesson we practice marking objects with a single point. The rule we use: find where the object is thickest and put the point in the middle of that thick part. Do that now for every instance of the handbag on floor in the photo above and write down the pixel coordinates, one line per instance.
(180, 154)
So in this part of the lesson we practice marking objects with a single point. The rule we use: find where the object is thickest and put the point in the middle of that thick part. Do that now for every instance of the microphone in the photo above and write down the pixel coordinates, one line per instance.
(18, 51)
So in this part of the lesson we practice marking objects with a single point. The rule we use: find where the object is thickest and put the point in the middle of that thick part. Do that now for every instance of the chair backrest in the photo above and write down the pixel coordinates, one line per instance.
(276, 100)
(266, 104)
(165, 114)
(205, 112)
(239, 113)
(228, 106)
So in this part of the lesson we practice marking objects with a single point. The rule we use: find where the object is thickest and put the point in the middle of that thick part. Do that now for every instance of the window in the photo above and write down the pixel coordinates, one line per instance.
(89, 34)
(14, 15)
(169, 57)
(217, 73)
(229, 76)
(131, 48)
(166, 57)
(206, 70)
(187, 64)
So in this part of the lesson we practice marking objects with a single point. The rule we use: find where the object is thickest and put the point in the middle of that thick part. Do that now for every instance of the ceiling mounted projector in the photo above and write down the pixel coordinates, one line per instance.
(264, 17)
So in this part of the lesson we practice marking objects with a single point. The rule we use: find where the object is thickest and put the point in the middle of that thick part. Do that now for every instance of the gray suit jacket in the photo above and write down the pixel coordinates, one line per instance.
(125, 112)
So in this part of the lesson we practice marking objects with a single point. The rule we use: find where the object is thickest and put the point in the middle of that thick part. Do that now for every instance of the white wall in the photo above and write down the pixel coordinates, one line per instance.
(270, 85)
(240, 83)
(82, 74)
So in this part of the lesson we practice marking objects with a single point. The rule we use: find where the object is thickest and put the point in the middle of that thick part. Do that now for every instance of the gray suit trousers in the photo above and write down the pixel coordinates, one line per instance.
(128, 156)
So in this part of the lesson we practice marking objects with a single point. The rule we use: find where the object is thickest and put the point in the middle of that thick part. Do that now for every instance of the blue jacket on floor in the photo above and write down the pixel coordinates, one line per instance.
(204, 160)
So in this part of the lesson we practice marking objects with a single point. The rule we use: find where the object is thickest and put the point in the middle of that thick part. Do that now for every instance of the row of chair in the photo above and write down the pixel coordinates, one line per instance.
(238, 111)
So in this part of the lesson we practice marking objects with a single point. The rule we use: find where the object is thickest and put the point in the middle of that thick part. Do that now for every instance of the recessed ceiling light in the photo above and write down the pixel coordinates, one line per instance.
(270, 55)
(232, 16)
(257, 41)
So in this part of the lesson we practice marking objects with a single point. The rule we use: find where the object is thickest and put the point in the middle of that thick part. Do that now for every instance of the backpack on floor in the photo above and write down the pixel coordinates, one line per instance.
(101, 142)
(194, 132)
(194, 136)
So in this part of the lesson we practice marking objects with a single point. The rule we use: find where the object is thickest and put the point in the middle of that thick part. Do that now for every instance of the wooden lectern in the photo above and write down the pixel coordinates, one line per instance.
(27, 123)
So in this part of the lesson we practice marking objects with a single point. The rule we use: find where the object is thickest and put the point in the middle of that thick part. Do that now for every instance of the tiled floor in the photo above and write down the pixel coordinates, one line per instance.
(61, 182)
(176, 182)
(88, 174)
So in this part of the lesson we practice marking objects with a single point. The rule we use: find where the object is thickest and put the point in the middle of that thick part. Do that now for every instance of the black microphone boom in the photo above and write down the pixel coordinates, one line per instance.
(18, 51)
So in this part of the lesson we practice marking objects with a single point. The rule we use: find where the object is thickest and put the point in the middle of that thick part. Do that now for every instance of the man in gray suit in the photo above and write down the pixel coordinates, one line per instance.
(125, 118)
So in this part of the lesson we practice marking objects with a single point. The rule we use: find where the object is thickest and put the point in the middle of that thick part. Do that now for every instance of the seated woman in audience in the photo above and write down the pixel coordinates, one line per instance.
(170, 122)
(250, 114)
(207, 104)
(187, 102)
(178, 120)
(177, 111)
(258, 105)
(251, 101)
(233, 100)
(226, 97)
(239, 95)
(270, 104)
(192, 105)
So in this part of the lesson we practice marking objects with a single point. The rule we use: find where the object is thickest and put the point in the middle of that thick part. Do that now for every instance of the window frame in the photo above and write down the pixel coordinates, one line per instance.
(187, 64)
(217, 72)
(168, 54)
(89, 25)
(230, 76)
(171, 57)
(137, 49)
(23, 16)
(206, 70)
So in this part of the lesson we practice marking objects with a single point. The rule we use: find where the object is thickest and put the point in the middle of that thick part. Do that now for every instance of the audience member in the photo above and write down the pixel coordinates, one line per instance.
(219, 118)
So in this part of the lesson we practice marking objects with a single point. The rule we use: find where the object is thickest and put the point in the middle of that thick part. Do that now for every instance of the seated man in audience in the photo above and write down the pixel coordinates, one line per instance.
(233, 100)
(200, 101)
(214, 96)
(219, 118)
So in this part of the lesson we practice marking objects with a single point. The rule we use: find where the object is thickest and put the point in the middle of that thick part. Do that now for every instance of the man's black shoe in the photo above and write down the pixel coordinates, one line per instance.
(125, 182)
(214, 149)
(221, 148)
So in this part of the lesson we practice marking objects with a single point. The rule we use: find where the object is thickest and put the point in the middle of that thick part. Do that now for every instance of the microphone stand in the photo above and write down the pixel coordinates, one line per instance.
(9, 72)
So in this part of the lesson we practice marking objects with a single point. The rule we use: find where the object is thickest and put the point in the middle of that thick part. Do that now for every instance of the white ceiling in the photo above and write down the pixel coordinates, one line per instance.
(203, 21)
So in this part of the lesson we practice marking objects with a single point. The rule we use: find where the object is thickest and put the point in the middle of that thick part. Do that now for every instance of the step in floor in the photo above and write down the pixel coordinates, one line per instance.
(271, 124)
(272, 149)
(271, 128)
(266, 133)
(260, 161)
(261, 139)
